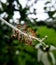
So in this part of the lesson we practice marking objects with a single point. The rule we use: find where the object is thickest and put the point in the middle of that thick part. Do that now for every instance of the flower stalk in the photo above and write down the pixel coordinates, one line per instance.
(25, 34)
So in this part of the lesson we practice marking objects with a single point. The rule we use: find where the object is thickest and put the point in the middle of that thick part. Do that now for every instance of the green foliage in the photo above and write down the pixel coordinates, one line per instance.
(43, 30)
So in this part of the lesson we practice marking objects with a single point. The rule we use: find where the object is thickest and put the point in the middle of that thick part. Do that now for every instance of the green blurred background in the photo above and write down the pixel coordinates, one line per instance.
(15, 52)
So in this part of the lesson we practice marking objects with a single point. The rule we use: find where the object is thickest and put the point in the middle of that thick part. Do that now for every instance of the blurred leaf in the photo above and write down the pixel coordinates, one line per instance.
(47, 2)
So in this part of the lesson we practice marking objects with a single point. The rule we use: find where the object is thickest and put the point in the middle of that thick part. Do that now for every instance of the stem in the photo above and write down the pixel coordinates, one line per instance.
(13, 27)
